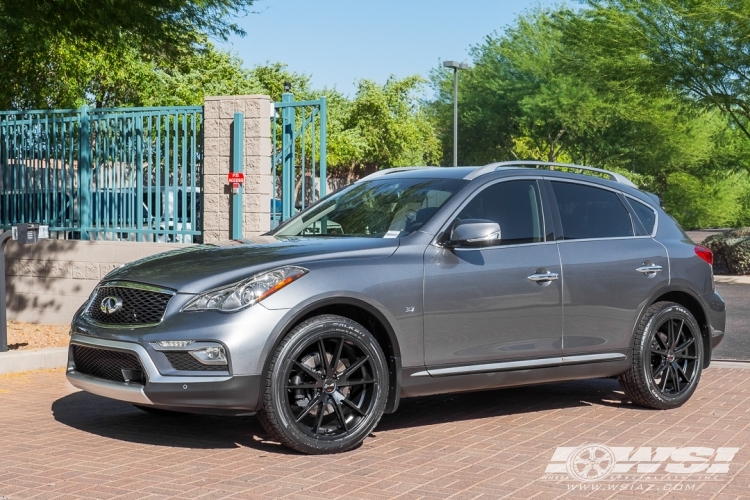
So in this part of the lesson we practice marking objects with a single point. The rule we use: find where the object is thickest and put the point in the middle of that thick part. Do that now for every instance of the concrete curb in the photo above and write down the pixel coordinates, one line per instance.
(734, 280)
(742, 365)
(40, 359)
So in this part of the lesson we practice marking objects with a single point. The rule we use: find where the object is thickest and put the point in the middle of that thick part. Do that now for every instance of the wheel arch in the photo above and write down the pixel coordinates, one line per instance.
(368, 316)
(688, 299)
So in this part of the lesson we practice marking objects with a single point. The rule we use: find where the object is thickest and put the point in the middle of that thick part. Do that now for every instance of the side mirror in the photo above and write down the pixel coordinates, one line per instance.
(474, 233)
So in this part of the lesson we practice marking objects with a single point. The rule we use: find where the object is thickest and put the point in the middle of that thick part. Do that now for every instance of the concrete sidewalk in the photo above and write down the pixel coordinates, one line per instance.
(732, 280)
(33, 359)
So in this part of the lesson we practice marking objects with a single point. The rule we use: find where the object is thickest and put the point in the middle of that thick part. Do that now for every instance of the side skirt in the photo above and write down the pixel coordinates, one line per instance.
(420, 382)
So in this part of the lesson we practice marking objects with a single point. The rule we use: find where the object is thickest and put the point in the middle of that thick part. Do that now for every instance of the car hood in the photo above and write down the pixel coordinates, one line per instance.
(198, 268)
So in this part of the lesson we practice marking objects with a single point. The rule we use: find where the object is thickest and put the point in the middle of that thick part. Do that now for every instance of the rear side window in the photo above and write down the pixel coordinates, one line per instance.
(590, 212)
(515, 205)
(645, 213)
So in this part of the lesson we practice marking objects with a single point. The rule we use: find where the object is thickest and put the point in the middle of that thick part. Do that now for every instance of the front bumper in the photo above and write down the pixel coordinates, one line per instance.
(223, 392)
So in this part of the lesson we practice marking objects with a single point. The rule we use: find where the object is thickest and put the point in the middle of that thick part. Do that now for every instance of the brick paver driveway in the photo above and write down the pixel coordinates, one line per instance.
(59, 443)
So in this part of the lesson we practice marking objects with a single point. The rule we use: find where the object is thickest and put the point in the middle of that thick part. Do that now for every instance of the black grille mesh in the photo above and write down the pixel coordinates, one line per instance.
(102, 363)
(184, 361)
(139, 307)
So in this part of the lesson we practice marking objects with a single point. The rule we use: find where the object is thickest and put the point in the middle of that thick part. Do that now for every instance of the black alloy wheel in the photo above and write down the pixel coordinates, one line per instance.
(674, 356)
(326, 386)
(667, 357)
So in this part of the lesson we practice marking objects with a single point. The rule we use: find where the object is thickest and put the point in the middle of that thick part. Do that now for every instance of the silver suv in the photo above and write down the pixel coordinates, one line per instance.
(410, 282)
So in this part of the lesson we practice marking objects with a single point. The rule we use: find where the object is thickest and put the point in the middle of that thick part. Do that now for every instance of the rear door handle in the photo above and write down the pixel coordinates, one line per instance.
(649, 270)
(544, 279)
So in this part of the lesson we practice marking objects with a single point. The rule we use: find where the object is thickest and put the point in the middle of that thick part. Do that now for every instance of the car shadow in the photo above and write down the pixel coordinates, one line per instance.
(430, 410)
(122, 421)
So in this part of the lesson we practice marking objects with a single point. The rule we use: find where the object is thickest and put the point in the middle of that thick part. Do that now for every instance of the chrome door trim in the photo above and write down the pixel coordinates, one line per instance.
(520, 365)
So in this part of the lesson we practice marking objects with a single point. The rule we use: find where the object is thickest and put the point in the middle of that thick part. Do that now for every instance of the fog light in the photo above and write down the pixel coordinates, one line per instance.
(210, 355)
(174, 343)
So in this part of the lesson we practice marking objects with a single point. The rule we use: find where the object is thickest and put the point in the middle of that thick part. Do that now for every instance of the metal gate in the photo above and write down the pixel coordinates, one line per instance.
(298, 130)
(117, 174)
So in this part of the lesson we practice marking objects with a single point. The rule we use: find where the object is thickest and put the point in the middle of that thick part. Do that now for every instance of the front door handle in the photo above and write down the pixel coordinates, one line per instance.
(649, 270)
(544, 279)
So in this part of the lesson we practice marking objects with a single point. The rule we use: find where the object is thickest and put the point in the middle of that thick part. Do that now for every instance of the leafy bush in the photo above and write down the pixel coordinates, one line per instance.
(731, 251)
(707, 201)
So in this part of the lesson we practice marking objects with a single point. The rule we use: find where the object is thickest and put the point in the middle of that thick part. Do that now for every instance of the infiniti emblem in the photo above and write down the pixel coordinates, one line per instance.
(111, 305)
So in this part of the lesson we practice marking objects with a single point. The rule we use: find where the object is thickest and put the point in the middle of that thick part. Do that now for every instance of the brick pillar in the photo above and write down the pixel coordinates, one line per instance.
(218, 117)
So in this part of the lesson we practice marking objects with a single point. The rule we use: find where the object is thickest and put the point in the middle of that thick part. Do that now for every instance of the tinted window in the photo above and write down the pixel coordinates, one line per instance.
(589, 212)
(645, 213)
(515, 206)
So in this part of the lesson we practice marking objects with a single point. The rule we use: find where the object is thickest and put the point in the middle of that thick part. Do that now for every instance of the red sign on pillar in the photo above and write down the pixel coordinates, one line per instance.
(236, 178)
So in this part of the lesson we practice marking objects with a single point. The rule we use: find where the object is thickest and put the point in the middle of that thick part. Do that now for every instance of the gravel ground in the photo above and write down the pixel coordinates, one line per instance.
(31, 336)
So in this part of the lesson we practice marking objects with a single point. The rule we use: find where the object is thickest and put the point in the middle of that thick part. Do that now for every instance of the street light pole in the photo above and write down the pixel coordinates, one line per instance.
(456, 66)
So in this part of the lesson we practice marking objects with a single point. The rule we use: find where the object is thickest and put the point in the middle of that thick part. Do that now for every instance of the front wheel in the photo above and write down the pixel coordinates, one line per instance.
(667, 358)
(326, 386)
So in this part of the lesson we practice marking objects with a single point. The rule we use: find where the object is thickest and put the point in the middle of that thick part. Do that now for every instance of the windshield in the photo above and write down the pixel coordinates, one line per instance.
(381, 208)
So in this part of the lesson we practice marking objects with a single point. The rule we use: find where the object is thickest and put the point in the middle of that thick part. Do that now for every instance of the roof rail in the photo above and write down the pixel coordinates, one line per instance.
(386, 171)
(492, 167)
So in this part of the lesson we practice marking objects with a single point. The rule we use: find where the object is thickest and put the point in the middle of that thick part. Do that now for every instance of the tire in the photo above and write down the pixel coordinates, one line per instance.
(667, 358)
(326, 386)
(158, 411)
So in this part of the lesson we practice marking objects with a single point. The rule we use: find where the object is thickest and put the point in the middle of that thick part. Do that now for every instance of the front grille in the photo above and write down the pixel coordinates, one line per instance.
(139, 306)
(103, 363)
(184, 361)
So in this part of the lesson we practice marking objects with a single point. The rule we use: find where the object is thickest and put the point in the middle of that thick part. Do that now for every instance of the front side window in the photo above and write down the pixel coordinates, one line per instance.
(515, 206)
(591, 212)
(381, 208)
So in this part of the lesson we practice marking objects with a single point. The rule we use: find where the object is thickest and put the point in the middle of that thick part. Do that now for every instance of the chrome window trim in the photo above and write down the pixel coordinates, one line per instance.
(126, 284)
(656, 213)
(520, 365)
(146, 362)
(608, 239)
(476, 193)
(498, 247)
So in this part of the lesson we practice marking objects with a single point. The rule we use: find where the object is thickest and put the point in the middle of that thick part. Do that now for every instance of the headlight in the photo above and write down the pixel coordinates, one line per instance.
(245, 293)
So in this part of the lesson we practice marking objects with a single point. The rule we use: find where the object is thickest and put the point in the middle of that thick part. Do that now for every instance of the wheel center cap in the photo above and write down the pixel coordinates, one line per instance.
(670, 357)
(329, 386)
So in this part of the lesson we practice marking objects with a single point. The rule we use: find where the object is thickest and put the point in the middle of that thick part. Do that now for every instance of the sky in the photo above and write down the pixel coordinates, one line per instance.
(340, 41)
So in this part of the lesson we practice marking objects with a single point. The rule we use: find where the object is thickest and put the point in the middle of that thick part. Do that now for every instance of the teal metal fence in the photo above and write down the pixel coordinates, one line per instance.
(119, 174)
(298, 130)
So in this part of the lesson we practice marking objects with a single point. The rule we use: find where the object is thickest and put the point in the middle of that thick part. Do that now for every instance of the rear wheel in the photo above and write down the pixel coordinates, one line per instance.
(667, 358)
(326, 386)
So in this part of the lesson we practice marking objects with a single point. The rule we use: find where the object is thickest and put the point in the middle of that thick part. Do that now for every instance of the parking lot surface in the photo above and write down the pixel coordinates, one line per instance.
(736, 344)
(56, 442)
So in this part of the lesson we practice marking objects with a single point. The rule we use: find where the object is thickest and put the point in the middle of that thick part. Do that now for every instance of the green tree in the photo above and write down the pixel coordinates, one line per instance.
(699, 48)
(48, 47)
(528, 96)
(394, 128)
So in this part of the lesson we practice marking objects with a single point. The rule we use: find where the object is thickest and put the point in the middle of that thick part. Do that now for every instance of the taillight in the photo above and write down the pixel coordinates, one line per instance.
(705, 254)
